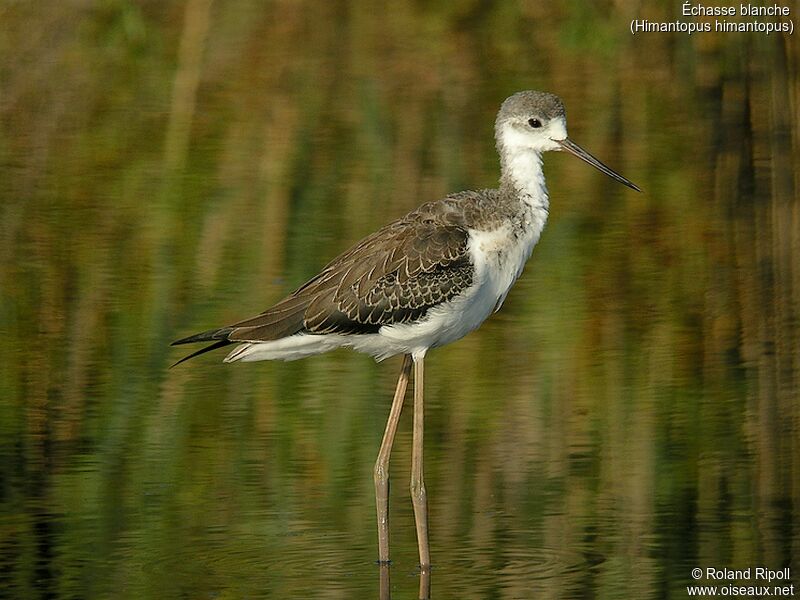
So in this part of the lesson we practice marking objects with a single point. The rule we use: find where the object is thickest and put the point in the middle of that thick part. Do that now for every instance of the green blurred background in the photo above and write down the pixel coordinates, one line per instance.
(166, 167)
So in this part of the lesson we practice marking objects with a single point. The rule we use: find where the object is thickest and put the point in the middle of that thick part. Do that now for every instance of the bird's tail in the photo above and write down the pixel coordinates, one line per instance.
(281, 321)
(219, 337)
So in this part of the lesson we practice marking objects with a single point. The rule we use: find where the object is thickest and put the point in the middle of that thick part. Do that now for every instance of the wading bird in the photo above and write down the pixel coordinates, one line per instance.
(422, 281)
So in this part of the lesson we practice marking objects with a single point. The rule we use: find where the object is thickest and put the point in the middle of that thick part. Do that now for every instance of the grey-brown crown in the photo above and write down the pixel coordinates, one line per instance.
(531, 104)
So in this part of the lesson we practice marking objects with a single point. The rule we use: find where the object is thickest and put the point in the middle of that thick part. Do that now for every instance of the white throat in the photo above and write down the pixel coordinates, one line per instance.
(522, 168)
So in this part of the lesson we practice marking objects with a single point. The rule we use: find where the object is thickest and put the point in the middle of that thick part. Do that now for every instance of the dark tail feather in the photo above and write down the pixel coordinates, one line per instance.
(282, 320)
(214, 346)
(212, 335)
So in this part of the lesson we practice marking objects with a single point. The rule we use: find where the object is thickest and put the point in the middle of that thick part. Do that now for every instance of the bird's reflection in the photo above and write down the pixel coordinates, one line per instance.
(385, 584)
(386, 587)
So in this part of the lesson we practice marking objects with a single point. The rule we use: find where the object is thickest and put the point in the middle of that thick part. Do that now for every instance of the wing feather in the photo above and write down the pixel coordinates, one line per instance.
(396, 281)
(393, 276)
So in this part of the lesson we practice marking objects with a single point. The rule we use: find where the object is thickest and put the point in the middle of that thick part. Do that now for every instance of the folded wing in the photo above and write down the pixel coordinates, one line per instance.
(393, 276)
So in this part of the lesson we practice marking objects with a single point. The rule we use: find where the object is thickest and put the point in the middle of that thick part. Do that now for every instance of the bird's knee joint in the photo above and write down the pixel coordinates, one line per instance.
(380, 473)
(418, 492)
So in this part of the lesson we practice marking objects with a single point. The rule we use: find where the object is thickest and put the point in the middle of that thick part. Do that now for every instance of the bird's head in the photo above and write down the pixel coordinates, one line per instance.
(536, 122)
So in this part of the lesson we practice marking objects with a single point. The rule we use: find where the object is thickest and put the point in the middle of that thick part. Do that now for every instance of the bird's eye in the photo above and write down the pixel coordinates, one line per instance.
(535, 123)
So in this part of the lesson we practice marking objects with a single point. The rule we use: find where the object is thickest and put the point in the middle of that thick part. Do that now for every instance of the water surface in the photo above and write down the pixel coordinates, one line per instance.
(632, 412)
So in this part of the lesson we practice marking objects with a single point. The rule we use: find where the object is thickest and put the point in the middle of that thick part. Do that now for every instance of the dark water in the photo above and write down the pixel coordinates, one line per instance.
(631, 414)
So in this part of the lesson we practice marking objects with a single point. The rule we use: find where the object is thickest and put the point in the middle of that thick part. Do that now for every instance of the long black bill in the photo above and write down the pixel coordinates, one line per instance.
(573, 148)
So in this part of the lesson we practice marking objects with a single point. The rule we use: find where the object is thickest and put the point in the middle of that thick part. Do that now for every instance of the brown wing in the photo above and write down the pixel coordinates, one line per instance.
(393, 276)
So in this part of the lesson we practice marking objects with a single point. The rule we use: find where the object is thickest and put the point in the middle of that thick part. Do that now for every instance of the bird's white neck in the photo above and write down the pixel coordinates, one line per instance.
(522, 175)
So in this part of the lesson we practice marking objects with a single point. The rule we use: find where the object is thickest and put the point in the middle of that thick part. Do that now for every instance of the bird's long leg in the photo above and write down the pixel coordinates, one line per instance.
(418, 495)
(381, 472)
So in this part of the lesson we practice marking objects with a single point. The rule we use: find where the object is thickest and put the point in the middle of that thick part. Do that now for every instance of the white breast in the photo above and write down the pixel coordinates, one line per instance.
(500, 255)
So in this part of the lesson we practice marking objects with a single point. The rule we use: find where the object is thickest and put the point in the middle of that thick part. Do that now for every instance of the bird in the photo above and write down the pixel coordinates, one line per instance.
(424, 280)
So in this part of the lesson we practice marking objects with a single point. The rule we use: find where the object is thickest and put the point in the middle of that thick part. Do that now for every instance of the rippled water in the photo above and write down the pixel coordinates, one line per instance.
(631, 414)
